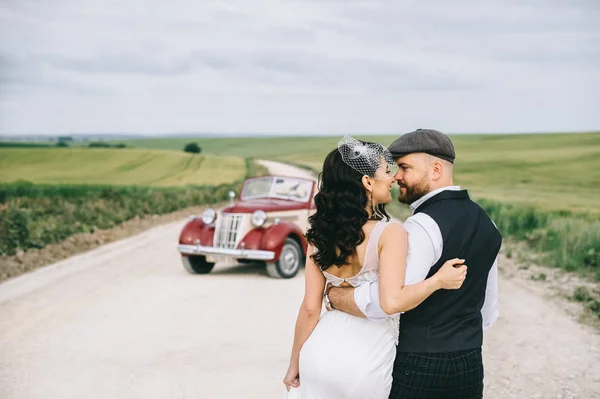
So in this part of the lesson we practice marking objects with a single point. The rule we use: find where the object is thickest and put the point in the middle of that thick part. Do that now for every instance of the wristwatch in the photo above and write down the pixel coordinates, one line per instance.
(328, 304)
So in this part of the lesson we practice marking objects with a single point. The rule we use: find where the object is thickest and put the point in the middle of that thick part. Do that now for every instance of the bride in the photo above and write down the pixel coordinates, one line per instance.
(352, 241)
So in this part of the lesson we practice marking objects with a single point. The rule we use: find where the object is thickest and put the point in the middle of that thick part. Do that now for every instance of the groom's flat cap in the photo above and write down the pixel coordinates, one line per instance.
(424, 140)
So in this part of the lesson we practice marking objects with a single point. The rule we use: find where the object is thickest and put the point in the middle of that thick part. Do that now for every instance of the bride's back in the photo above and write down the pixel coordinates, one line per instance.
(363, 262)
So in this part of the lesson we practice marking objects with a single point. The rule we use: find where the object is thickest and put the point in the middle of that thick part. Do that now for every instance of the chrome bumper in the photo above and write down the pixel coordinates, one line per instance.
(233, 253)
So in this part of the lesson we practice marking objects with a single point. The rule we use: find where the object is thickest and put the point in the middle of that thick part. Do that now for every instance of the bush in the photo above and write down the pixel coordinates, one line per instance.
(193, 148)
(33, 216)
(62, 144)
(582, 294)
(15, 229)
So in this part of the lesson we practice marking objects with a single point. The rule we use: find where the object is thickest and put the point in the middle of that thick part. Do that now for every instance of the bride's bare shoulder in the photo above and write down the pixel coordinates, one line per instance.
(392, 232)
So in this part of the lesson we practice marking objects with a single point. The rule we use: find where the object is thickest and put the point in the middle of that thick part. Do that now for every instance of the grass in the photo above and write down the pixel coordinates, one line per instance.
(155, 168)
(547, 171)
(568, 241)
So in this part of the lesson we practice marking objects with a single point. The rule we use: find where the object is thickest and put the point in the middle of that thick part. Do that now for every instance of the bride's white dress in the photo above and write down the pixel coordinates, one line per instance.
(348, 356)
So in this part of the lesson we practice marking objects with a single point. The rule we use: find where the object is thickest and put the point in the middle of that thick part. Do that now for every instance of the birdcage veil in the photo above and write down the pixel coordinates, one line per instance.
(366, 158)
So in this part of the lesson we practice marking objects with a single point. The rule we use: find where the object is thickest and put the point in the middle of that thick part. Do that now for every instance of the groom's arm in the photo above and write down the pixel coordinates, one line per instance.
(489, 311)
(342, 298)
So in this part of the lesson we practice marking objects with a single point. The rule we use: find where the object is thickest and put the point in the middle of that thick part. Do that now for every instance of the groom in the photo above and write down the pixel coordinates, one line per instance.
(439, 349)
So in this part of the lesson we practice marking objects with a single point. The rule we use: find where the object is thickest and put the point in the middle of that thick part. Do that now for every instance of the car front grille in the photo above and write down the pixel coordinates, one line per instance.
(226, 232)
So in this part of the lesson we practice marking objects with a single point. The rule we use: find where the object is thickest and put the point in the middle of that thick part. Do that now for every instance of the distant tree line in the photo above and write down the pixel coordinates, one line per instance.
(20, 144)
(95, 144)
(102, 144)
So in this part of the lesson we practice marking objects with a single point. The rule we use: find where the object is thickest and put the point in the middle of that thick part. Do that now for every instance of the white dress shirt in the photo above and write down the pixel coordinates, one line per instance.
(425, 246)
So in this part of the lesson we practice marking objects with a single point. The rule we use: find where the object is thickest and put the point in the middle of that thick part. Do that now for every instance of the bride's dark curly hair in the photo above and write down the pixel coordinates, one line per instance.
(336, 227)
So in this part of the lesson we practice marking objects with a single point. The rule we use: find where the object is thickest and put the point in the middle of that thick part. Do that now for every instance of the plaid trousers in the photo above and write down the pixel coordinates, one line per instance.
(453, 375)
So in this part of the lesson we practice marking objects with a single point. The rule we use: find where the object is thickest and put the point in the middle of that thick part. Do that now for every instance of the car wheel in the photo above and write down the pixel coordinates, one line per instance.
(289, 261)
(197, 264)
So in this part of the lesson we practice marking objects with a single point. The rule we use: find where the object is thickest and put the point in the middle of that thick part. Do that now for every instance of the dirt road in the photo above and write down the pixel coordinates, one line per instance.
(126, 321)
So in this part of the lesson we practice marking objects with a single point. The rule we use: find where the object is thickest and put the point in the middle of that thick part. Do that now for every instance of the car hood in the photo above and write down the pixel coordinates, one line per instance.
(264, 204)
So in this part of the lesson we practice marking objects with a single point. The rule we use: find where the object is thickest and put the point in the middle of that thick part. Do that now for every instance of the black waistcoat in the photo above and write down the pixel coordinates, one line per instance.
(450, 320)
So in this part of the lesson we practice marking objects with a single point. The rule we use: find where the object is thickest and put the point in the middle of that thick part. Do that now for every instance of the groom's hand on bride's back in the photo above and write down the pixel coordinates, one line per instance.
(342, 298)
(452, 274)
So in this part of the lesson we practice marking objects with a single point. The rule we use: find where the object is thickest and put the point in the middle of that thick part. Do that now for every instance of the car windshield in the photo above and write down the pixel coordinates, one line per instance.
(278, 187)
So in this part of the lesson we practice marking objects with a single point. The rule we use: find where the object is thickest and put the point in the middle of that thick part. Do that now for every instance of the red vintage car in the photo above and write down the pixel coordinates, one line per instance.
(267, 224)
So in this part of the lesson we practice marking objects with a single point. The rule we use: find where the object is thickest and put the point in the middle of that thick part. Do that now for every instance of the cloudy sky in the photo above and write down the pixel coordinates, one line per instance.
(299, 66)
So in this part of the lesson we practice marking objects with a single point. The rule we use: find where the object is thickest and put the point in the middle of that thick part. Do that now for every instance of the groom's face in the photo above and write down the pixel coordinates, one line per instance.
(413, 177)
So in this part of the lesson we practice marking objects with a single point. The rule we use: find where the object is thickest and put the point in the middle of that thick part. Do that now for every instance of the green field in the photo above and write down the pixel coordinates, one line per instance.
(157, 168)
(547, 171)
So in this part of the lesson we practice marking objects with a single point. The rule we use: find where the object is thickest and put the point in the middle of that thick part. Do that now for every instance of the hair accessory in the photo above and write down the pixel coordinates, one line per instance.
(367, 158)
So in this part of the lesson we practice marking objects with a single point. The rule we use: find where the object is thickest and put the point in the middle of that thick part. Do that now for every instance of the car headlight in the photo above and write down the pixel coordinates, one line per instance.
(259, 218)
(209, 216)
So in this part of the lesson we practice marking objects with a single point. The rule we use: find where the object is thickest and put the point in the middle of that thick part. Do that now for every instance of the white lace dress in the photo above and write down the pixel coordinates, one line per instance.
(348, 356)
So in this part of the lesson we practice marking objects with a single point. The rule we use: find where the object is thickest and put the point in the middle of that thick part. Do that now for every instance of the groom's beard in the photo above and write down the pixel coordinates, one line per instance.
(414, 192)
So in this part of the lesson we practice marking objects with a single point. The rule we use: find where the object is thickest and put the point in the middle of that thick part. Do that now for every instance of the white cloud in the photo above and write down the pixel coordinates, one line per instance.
(298, 66)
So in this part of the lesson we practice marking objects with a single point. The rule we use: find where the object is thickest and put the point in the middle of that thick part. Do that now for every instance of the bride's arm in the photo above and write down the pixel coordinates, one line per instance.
(394, 295)
(310, 311)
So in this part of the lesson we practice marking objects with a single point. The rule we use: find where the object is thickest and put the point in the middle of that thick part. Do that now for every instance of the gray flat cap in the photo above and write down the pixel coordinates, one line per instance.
(424, 140)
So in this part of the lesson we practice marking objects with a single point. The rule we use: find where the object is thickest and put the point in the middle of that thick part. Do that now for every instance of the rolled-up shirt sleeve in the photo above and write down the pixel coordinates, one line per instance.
(424, 249)
(489, 311)
(425, 244)
(366, 297)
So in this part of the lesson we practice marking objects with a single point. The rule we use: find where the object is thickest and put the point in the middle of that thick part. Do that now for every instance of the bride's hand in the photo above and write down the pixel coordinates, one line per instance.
(452, 274)
(292, 377)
